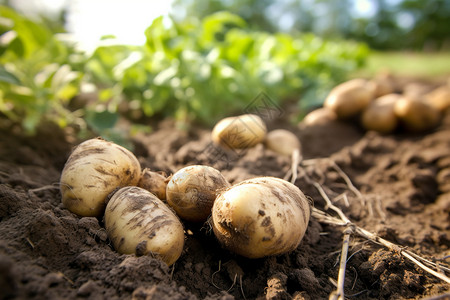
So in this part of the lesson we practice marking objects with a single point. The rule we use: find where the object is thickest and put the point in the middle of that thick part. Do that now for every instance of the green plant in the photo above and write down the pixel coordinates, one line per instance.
(192, 70)
(36, 76)
(203, 70)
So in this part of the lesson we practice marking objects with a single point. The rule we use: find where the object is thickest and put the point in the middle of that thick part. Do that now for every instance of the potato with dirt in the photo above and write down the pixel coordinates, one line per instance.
(416, 114)
(241, 132)
(154, 182)
(348, 99)
(93, 170)
(137, 222)
(379, 116)
(192, 190)
(261, 217)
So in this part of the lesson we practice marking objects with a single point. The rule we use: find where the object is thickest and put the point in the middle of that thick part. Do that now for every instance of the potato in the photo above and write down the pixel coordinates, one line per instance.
(382, 84)
(282, 141)
(154, 182)
(379, 115)
(319, 116)
(439, 98)
(261, 217)
(192, 190)
(239, 132)
(349, 98)
(136, 221)
(94, 169)
(416, 114)
(416, 89)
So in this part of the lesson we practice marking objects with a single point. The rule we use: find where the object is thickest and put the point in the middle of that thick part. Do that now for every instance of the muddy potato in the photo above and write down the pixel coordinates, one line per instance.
(154, 182)
(349, 98)
(94, 169)
(137, 222)
(261, 217)
(416, 114)
(192, 190)
(239, 132)
(379, 115)
(319, 116)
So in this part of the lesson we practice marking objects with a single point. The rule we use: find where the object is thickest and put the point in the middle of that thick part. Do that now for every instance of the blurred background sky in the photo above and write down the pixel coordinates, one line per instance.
(383, 24)
(89, 20)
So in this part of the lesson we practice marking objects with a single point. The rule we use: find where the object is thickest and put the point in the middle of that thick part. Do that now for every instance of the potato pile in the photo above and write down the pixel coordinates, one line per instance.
(266, 215)
(143, 210)
(380, 106)
(100, 178)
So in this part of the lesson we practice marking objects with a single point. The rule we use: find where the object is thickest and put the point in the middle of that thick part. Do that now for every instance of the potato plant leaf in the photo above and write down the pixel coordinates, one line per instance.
(8, 77)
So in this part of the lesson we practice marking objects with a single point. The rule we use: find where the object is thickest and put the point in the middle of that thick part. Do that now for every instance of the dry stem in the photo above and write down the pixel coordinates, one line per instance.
(45, 187)
(324, 217)
(348, 182)
(295, 162)
(405, 253)
(339, 293)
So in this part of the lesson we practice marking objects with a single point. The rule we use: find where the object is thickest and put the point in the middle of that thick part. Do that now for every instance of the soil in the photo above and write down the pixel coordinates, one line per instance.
(47, 252)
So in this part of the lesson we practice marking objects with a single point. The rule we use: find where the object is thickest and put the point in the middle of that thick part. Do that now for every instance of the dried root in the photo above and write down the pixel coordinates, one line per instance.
(234, 271)
(437, 269)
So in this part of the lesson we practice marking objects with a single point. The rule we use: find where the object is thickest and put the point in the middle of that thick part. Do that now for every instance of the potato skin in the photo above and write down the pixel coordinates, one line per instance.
(416, 114)
(93, 170)
(349, 98)
(261, 217)
(379, 115)
(382, 84)
(320, 116)
(282, 141)
(154, 182)
(192, 190)
(439, 98)
(138, 222)
(239, 132)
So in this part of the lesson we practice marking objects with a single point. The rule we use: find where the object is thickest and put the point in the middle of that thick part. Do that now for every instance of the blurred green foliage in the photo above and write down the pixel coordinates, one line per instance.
(203, 70)
(36, 76)
(410, 24)
(382, 24)
(192, 70)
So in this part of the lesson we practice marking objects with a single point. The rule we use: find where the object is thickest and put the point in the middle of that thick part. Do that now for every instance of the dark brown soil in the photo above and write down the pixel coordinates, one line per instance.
(46, 252)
